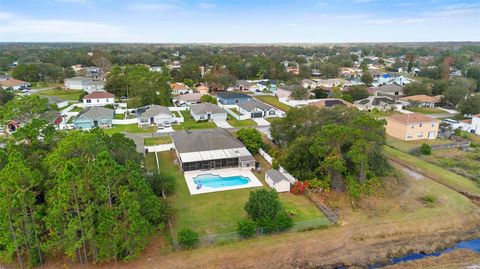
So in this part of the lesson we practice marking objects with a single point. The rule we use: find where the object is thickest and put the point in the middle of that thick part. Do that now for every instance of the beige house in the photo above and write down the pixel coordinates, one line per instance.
(422, 100)
(412, 126)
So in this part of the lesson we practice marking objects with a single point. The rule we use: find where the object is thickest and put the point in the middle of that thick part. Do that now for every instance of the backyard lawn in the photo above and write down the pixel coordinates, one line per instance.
(63, 93)
(159, 140)
(76, 109)
(241, 123)
(190, 124)
(408, 146)
(274, 119)
(234, 110)
(442, 175)
(130, 128)
(273, 100)
(426, 110)
(219, 212)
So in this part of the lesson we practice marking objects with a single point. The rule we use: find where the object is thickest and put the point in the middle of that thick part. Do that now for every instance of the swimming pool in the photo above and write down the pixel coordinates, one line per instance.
(216, 181)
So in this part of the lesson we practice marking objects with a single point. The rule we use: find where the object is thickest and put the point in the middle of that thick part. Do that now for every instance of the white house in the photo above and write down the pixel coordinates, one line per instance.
(84, 83)
(154, 114)
(180, 88)
(476, 123)
(258, 109)
(277, 181)
(188, 99)
(98, 98)
(207, 111)
(59, 102)
(9, 82)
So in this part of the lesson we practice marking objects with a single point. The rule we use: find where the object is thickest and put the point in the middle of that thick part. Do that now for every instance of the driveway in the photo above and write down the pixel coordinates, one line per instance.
(265, 131)
(261, 121)
(223, 124)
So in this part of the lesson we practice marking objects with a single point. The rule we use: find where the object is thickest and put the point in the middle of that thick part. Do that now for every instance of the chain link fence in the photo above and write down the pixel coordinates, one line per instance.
(235, 236)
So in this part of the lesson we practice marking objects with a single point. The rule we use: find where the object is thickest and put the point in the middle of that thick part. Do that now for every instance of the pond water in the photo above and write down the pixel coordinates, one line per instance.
(473, 245)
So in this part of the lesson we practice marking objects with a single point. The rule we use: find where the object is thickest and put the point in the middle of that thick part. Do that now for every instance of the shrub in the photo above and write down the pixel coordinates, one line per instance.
(246, 228)
(426, 149)
(110, 106)
(251, 138)
(283, 221)
(318, 184)
(299, 187)
(187, 238)
(428, 199)
(263, 204)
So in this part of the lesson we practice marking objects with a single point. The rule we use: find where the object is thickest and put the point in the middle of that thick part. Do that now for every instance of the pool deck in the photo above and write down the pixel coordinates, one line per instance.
(227, 172)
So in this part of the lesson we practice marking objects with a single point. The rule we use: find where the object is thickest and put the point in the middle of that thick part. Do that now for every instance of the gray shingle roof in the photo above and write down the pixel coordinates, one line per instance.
(206, 108)
(228, 95)
(205, 140)
(96, 112)
(276, 176)
(54, 99)
(252, 104)
(389, 88)
(152, 111)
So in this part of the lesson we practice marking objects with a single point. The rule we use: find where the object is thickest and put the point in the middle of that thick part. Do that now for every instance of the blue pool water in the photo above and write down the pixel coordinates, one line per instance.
(216, 181)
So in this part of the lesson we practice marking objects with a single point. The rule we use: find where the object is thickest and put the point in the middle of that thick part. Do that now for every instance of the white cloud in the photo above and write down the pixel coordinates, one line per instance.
(205, 5)
(6, 15)
(380, 21)
(20, 28)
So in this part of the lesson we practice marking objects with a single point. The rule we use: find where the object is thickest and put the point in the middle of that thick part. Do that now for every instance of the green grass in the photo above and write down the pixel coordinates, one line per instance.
(381, 114)
(273, 100)
(426, 110)
(119, 116)
(190, 124)
(219, 212)
(76, 109)
(408, 146)
(234, 110)
(159, 140)
(442, 175)
(130, 128)
(70, 120)
(272, 120)
(241, 123)
(64, 94)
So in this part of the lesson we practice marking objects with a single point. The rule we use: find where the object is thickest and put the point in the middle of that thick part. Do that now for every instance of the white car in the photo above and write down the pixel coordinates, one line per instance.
(166, 124)
(450, 121)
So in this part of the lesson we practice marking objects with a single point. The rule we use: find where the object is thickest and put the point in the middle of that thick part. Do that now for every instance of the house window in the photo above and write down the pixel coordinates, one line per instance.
(98, 100)
(108, 100)
(420, 135)
(433, 124)
(202, 117)
(413, 126)
(89, 101)
(420, 125)
(409, 136)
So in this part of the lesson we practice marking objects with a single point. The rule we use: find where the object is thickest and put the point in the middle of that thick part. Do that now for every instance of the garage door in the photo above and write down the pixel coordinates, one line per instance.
(257, 114)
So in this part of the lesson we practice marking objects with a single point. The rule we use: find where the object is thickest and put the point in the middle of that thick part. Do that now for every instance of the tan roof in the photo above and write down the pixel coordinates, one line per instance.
(330, 102)
(98, 94)
(421, 98)
(411, 118)
(202, 87)
(477, 115)
(11, 82)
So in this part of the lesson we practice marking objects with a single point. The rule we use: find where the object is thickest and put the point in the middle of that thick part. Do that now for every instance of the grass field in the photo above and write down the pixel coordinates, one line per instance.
(159, 140)
(234, 110)
(76, 109)
(241, 123)
(273, 100)
(442, 175)
(408, 146)
(64, 94)
(272, 120)
(130, 128)
(190, 124)
(219, 212)
(426, 110)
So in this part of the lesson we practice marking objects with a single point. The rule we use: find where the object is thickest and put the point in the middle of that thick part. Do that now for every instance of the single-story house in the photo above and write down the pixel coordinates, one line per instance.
(13, 83)
(412, 126)
(188, 99)
(179, 88)
(154, 114)
(210, 149)
(382, 103)
(421, 100)
(232, 98)
(285, 91)
(59, 102)
(87, 84)
(331, 102)
(277, 181)
(243, 85)
(207, 112)
(475, 125)
(94, 116)
(258, 109)
(98, 98)
(202, 88)
(390, 89)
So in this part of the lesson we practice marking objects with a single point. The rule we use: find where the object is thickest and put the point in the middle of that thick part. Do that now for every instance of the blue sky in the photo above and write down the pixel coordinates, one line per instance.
(215, 21)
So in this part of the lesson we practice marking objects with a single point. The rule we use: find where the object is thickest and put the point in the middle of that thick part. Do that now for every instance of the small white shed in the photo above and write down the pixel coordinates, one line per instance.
(277, 181)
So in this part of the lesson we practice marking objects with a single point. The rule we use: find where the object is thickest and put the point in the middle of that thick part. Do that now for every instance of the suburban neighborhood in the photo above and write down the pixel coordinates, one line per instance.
(253, 153)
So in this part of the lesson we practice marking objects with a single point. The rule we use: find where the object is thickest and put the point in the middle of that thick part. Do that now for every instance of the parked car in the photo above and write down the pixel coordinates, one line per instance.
(449, 121)
(166, 124)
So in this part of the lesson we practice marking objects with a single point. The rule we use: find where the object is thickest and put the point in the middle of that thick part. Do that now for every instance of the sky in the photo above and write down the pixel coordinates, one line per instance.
(248, 21)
